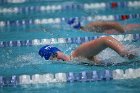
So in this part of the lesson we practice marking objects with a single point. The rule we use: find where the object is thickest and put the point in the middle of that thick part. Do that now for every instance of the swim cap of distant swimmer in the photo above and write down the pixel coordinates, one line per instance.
(74, 22)
(47, 51)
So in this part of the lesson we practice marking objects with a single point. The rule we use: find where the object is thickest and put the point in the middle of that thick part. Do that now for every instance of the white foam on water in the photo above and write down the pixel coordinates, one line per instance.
(108, 55)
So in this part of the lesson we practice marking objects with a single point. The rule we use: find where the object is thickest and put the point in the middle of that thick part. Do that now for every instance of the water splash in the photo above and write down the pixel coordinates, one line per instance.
(22, 60)
(108, 55)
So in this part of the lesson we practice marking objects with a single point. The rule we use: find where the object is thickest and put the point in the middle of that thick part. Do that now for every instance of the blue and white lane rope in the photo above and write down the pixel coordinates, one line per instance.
(12, 1)
(59, 20)
(72, 6)
(85, 6)
(75, 40)
(25, 1)
(84, 76)
(77, 6)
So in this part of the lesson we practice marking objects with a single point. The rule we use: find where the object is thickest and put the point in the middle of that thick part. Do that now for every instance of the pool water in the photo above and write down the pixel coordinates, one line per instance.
(20, 60)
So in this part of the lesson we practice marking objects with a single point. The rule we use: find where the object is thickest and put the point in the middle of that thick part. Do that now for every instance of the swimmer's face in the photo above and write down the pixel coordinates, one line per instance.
(53, 57)
(56, 56)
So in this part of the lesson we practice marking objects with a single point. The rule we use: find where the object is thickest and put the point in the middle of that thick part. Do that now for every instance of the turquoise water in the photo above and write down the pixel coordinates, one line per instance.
(25, 60)
(121, 86)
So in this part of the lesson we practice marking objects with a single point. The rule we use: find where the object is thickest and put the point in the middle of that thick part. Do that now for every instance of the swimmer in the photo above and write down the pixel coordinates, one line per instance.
(87, 50)
(102, 26)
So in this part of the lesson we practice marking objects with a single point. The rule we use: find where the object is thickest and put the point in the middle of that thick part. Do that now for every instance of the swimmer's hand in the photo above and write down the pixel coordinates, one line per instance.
(131, 56)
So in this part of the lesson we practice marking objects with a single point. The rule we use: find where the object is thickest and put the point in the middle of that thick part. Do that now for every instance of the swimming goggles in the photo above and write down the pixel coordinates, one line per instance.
(53, 57)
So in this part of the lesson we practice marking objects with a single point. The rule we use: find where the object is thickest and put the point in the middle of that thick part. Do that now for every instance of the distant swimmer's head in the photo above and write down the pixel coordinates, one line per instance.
(48, 52)
(75, 23)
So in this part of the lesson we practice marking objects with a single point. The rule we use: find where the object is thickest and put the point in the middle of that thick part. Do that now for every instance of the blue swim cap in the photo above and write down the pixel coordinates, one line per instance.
(47, 51)
(74, 22)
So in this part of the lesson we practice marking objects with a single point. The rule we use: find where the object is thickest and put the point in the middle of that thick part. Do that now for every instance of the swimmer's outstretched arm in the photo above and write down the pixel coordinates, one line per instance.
(102, 26)
(92, 48)
(129, 27)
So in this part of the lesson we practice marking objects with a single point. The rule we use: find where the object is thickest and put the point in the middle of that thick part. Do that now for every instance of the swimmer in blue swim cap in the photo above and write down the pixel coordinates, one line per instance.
(87, 50)
(75, 23)
(102, 26)
(50, 52)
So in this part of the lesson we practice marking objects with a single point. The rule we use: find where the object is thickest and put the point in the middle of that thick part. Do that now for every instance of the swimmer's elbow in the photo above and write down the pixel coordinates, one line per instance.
(96, 60)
